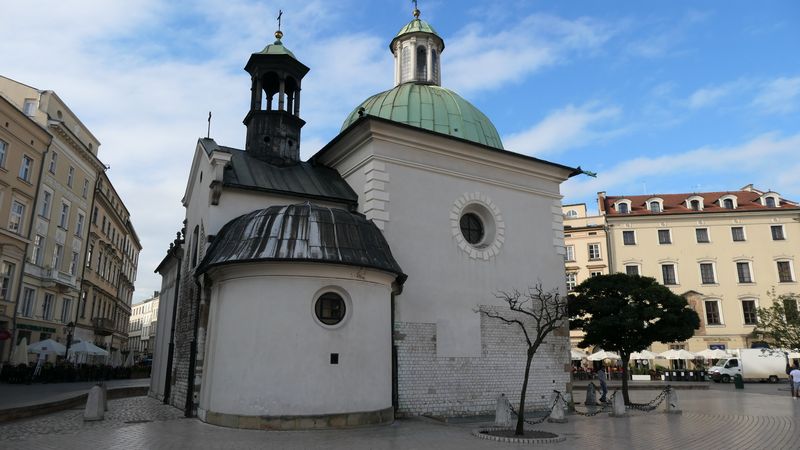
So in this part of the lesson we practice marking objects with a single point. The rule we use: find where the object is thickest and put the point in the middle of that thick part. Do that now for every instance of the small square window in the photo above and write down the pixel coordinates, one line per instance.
(571, 280)
(702, 235)
(664, 237)
(668, 273)
(707, 273)
(629, 237)
(737, 233)
(594, 251)
(632, 270)
(777, 232)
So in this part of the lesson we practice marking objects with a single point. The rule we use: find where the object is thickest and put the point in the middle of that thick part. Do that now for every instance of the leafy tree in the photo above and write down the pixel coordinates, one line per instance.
(780, 323)
(626, 313)
(537, 314)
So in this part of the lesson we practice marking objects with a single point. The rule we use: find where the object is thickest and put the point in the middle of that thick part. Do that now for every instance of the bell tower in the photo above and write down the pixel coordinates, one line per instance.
(273, 122)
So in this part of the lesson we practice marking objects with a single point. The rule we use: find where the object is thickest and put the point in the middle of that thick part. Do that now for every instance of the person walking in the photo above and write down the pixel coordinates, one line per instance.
(795, 374)
(602, 378)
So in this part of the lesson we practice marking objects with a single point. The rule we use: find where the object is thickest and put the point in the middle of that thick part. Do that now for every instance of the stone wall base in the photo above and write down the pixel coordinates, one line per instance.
(323, 421)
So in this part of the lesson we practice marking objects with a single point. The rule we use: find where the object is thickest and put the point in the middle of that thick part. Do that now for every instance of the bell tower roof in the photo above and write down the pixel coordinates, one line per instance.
(416, 25)
(277, 47)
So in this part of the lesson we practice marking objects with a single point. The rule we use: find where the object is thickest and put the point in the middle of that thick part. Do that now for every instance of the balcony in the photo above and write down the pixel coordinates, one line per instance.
(103, 326)
(60, 279)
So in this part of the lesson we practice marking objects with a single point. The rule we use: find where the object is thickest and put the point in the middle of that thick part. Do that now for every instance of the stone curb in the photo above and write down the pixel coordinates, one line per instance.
(478, 432)
(23, 412)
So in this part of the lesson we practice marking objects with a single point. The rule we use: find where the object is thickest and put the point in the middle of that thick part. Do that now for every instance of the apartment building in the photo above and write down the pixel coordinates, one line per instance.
(724, 251)
(586, 252)
(143, 324)
(60, 187)
(23, 145)
(110, 270)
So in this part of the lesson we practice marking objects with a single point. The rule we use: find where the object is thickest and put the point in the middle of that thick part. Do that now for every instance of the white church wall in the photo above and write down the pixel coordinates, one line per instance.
(263, 334)
(166, 304)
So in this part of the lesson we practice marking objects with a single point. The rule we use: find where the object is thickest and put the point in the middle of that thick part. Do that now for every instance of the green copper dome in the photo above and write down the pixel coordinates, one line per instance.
(416, 26)
(432, 108)
(277, 48)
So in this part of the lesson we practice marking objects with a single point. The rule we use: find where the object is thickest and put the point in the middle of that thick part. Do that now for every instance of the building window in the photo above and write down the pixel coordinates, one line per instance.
(655, 207)
(571, 214)
(707, 273)
(47, 306)
(85, 189)
(695, 204)
(749, 311)
(70, 176)
(422, 64)
(632, 269)
(622, 208)
(89, 252)
(770, 201)
(668, 274)
(330, 308)
(6, 280)
(713, 315)
(664, 237)
(569, 254)
(47, 199)
(3, 147)
(79, 224)
(777, 232)
(572, 280)
(29, 107)
(94, 215)
(82, 305)
(727, 203)
(702, 235)
(743, 272)
(66, 310)
(629, 237)
(63, 221)
(471, 228)
(53, 162)
(737, 233)
(73, 264)
(785, 272)
(790, 310)
(15, 217)
(28, 302)
(58, 252)
(594, 251)
(25, 168)
(595, 274)
(38, 249)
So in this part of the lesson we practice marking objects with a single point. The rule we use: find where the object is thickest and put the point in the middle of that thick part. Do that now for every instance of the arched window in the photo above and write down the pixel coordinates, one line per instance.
(695, 205)
(727, 203)
(435, 66)
(422, 64)
(622, 208)
(405, 64)
(572, 214)
(655, 207)
(770, 201)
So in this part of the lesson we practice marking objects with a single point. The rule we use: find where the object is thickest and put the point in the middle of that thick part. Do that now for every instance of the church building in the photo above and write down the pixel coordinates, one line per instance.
(345, 290)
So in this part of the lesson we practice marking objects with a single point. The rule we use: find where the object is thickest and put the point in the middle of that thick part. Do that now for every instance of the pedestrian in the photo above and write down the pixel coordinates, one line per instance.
(795, 374)
(601, 377)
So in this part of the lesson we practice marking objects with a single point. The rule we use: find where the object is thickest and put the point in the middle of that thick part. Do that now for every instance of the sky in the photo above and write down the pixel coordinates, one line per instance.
(655, 97)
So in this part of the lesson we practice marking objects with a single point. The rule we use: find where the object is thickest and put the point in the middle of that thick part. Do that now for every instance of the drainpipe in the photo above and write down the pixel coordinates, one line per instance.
(171, 349)
(25, 255)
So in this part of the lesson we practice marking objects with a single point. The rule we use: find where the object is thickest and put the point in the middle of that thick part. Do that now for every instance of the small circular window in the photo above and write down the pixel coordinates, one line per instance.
(472, 228)
(330, 308)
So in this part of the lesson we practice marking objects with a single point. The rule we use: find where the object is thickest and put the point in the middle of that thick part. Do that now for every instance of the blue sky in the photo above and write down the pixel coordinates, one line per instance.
(653, 96)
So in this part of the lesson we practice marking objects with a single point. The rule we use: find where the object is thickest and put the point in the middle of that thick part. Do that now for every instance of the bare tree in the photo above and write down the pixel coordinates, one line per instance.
(537, 313)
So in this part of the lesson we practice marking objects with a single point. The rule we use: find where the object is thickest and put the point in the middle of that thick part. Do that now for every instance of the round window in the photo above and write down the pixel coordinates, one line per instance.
(330, 308)
(472, 228)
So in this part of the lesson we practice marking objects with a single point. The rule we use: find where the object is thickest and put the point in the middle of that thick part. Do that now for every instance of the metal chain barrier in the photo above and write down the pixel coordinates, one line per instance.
(652, 404)
(599, 410)
(542, 419)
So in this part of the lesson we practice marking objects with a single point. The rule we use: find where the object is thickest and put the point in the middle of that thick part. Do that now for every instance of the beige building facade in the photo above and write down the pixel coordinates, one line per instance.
(586, 251)
(724, 251)
(143, 324)
(23, 145)
(49, 299)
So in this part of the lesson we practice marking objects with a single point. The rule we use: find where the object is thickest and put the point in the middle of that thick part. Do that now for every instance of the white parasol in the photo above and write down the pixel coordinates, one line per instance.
(644, 354)
(20, 354)
(47, 346)
(601, 355)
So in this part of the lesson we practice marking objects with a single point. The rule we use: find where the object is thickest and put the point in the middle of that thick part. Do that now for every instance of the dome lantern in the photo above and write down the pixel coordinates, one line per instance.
(416, 49)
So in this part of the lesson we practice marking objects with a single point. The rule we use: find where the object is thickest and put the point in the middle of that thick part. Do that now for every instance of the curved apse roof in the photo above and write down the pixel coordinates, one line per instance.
(302, 232)
(433, 108)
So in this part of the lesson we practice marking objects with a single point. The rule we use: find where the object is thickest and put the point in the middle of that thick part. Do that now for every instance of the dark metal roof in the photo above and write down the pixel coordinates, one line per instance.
(303, 179)
(302, 232)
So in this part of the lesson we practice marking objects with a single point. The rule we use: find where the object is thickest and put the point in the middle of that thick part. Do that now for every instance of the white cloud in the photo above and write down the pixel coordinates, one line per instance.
(480, 59)
(779, 96)
(708, 96)
(765, 155)
(566, 128)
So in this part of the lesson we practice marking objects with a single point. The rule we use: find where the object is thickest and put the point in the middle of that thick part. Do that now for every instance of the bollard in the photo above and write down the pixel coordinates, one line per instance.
(95, 407)
(105, 396)
(502, 415)
(738, 382)
(672, 402)
(591, 395)
(618, 409)
(557, 413)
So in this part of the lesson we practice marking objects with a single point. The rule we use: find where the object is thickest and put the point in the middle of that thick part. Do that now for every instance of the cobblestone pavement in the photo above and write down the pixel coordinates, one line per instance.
(15, 395)
(711, 420)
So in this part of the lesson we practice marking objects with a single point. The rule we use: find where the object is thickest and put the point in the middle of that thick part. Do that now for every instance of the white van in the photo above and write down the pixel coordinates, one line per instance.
(753, 364)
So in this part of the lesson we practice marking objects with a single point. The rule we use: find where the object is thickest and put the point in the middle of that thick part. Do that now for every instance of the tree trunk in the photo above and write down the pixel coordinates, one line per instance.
(521, 417)
(625, 358)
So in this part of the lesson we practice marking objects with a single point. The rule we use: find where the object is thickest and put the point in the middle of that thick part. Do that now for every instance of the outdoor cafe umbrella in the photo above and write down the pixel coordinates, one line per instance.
(677, 354)
(87, 348)
(794, 354)
(576, 355)
(712, 354)
(47, 346)
(601, 355)
(644, 354)
(128, 360)
(116, 359)
(20, 354)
